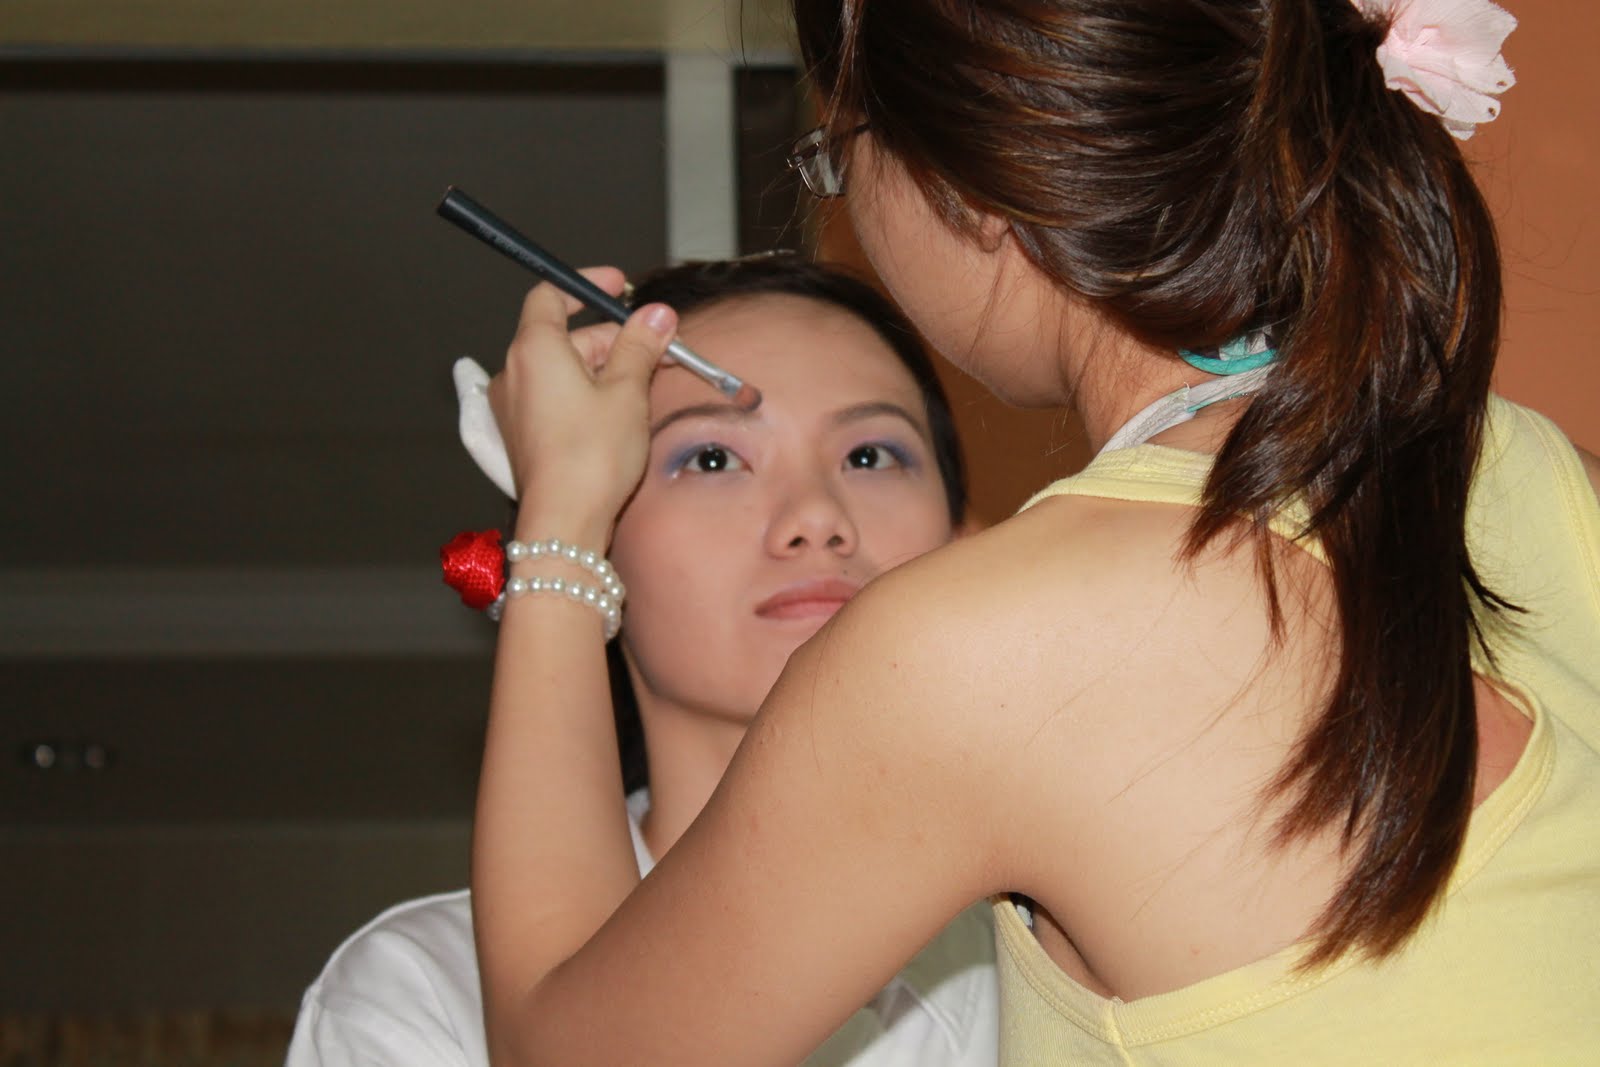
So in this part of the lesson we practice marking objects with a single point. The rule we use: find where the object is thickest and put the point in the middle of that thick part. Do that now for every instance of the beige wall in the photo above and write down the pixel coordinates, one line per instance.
(1539, 164)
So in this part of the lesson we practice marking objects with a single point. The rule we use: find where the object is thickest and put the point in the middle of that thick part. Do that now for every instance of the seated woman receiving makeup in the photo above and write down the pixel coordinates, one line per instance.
(747, 533)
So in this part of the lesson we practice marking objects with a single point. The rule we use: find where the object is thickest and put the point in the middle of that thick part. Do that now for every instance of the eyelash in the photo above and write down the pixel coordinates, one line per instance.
(901, 455)
(681, 460)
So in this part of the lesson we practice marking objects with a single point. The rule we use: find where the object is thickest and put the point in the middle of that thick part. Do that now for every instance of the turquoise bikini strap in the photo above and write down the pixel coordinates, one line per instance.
(1235, 357)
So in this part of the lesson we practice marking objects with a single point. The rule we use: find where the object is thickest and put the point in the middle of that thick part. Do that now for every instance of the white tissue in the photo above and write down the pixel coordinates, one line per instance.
(479, 432)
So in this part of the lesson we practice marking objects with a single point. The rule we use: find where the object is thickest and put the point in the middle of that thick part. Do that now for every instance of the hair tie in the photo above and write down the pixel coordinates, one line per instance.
(475, 564)
(1445, 56)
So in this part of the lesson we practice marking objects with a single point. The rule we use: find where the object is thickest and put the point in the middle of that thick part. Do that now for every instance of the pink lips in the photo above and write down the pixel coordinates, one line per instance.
(808, 600)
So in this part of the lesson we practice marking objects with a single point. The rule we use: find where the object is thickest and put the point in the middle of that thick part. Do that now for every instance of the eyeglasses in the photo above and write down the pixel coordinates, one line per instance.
(815, 158)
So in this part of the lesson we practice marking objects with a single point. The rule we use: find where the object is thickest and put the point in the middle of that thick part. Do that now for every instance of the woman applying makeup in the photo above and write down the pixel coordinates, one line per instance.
(1274, 734)
(746, 533)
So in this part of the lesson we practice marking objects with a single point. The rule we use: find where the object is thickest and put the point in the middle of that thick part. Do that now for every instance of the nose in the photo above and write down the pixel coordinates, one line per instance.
(812, 516)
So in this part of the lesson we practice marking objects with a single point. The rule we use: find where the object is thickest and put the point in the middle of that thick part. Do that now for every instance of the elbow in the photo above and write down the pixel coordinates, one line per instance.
(510, 1051)
(520, 1045)
(528, 1031)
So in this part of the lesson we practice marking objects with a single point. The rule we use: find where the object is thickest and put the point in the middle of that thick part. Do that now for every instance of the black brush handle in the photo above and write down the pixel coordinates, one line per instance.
(486, 226)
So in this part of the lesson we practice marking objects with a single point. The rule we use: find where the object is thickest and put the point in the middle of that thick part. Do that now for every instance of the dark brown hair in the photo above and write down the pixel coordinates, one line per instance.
(695, 286)
(1199, 169)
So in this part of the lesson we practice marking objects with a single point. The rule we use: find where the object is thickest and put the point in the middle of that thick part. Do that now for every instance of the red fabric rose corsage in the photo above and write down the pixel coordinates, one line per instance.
(475, 566)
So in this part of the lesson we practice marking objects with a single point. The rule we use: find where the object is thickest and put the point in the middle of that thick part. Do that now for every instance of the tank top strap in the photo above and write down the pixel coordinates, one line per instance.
(1157, 474)
(1149, 473)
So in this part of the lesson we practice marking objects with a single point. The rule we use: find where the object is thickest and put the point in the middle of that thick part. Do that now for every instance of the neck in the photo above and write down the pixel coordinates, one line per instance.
(1103, 372)
(687, 751)
(1115, 377)
(1111, 378)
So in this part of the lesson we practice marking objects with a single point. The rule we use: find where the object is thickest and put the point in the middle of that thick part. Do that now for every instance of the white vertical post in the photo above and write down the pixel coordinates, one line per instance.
(702, 201)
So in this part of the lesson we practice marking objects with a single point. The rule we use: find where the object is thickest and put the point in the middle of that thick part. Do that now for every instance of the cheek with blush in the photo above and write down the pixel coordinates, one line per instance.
(682, 628)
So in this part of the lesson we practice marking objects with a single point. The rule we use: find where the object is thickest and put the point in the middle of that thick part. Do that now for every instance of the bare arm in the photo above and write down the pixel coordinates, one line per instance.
(839, 842)
(550, 809)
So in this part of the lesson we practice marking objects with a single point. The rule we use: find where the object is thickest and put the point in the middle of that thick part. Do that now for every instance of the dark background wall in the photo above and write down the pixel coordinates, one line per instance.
(238, 711)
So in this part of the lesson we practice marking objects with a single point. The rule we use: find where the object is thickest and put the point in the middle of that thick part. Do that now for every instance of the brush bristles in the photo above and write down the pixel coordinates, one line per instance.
(748, 398)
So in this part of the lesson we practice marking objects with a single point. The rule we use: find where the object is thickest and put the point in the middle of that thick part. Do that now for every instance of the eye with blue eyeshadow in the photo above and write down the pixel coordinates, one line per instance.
(879, 455)
(704, 458)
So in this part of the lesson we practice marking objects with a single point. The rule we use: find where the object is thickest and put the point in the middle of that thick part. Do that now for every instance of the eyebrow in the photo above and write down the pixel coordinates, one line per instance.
(721, 412)
(734, 413)
(874, 408)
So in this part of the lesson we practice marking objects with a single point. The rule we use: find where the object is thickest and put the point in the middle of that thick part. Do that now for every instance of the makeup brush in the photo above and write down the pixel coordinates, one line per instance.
(480, 222)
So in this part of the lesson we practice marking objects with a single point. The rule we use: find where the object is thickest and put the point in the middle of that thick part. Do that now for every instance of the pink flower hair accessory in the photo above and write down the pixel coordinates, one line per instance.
(1445, 56)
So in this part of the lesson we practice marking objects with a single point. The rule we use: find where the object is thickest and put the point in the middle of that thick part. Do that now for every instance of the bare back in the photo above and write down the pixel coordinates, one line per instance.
(1184, 721)
(1185, 714)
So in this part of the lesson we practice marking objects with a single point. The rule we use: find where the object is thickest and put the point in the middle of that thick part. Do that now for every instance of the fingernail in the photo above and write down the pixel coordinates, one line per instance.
(659, 318)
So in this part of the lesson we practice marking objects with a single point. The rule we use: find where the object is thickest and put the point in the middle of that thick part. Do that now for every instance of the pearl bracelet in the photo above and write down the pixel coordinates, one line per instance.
(475, 565)
(593, 562)
(606, 597)
(609, 607)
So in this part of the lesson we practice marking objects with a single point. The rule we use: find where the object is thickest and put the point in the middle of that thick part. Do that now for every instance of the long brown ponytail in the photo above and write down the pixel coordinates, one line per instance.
(1204, 168)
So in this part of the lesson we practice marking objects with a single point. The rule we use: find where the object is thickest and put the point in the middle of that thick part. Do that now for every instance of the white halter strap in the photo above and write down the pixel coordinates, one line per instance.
(1180, 406)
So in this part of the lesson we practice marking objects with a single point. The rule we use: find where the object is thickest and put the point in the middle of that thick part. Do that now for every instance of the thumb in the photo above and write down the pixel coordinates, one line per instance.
(641, 343)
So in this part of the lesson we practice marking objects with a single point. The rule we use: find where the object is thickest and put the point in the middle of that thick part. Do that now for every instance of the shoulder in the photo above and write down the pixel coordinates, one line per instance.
(1517, 434)
(407, 980)
(433, 932)
(1523, 447)
(1058, 588)
(1025, 650)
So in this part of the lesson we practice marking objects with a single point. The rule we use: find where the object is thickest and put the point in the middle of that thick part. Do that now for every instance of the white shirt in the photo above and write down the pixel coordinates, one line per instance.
(403, 992)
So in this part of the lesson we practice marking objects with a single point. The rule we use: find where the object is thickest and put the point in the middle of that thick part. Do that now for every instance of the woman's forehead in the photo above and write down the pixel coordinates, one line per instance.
(791, 344)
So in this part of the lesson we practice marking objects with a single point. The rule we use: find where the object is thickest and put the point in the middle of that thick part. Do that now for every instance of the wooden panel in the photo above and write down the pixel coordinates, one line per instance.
(592, 25)
(1539, 165)
(175, 918)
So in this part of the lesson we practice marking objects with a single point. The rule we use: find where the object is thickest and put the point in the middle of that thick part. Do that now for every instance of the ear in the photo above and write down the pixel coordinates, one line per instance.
(992, 230)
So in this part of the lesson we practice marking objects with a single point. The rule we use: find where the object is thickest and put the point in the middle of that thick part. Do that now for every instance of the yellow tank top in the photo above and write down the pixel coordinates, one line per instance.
(1507, 970)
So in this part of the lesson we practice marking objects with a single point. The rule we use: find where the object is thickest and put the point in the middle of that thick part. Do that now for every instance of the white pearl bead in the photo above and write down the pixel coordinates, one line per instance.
(605, 596)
